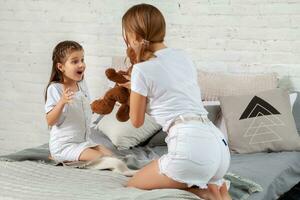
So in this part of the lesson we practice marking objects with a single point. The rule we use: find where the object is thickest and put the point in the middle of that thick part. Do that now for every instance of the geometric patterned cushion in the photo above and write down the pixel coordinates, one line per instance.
(260, 122)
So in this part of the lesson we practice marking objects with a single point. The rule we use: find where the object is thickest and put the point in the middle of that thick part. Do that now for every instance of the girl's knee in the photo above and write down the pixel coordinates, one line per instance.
(129, 184)
(133, 182)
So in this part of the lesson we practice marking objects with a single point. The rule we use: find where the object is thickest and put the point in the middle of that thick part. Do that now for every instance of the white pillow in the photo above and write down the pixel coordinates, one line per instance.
(122, 134)
(222, 126)
(293, 97)
(218, 118)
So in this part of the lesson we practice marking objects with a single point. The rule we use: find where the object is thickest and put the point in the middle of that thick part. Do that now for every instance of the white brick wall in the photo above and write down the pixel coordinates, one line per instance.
(221, 35)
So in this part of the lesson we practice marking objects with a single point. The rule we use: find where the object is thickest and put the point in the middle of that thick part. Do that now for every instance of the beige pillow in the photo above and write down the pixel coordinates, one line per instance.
(122, 134)
(260, 122)
(216, 84)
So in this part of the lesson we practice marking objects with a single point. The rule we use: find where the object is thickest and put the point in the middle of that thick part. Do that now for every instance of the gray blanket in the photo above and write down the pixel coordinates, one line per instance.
(43, 173)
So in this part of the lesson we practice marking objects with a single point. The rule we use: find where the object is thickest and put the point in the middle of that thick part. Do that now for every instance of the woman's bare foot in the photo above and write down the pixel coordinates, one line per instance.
(211, 193)
(224, 192)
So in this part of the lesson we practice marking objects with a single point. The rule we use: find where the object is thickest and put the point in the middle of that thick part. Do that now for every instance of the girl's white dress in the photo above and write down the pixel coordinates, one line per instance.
(70, 136)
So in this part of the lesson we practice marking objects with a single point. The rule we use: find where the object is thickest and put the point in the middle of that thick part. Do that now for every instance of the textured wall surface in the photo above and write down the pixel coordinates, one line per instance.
(239, 36)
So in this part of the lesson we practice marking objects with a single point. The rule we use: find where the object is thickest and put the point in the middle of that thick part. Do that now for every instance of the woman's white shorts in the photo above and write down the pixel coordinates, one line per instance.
(198, 154)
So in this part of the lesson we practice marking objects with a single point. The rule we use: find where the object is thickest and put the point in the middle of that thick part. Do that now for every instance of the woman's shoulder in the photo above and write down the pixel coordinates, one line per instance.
(146, 65)
(161, 57)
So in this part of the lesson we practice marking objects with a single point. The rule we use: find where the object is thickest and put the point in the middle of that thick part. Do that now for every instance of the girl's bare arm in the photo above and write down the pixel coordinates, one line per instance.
(53, 115)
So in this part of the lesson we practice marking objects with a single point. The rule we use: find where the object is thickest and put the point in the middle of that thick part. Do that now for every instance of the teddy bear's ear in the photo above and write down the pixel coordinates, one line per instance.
(110, 72)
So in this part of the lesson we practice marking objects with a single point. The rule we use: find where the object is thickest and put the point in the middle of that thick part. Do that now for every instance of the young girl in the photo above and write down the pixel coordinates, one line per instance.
(164, 84)
(67, 107)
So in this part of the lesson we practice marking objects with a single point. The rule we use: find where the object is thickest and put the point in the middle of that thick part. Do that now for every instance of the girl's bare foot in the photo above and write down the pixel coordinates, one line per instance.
(50, 157)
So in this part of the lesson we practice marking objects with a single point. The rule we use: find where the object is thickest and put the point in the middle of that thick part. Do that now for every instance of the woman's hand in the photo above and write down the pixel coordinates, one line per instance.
(127, 84)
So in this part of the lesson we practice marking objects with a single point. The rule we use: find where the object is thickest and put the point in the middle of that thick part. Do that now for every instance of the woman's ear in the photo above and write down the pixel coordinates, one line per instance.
(135, 42)
(132, 39)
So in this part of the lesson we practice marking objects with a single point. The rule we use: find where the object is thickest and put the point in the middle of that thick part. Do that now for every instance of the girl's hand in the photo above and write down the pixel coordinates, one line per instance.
(67, 96)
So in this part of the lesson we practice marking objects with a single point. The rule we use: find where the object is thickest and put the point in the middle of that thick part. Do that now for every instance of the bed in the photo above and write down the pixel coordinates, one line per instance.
(28, 174)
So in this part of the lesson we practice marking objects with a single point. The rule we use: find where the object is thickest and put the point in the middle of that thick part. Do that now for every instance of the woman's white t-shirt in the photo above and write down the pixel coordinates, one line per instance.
(169, 81)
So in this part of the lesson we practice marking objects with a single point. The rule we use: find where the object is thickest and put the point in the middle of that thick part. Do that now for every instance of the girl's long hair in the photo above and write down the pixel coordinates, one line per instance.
(148, 24)
(60, 55)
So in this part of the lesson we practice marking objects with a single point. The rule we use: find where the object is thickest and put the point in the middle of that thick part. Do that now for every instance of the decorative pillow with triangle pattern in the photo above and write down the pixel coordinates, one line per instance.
(260, 123)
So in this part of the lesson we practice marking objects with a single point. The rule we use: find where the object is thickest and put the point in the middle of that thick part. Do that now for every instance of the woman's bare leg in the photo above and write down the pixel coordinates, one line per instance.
(224, 192)
(155, 180)
(212, 192)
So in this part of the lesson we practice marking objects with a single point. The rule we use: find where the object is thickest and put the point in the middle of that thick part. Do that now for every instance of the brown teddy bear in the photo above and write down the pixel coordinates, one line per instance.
(117, 93)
